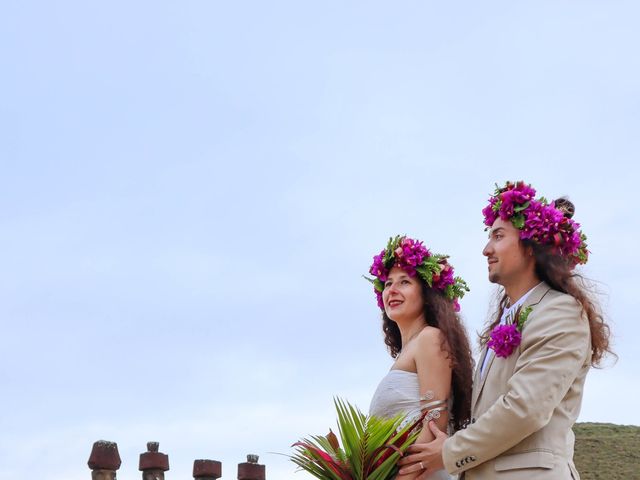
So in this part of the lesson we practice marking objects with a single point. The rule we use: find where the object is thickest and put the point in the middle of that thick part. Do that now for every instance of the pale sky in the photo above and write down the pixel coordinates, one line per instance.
(192, 191)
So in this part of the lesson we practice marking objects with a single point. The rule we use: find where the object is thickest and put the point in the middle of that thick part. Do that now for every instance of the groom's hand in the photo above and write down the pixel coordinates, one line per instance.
(424, 457)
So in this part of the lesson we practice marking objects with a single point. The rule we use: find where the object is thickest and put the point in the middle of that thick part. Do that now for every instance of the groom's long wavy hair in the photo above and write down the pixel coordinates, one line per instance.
(439, 313)
(559, 274)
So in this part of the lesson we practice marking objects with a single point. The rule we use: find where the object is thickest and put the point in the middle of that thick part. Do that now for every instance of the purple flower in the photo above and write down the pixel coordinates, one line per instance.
(534, 220)
(456, 305)
(520, 193)
(378, 269)
(540, 222)
(547, 225)
(440, 281)
(503, 204)
(514, 195)
(489, 213)
(379, 298)
(572, 238)
(504, 340)
(411, 255)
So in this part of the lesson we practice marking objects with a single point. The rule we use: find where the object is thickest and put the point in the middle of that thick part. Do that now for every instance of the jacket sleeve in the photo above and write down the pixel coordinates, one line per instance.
(555, 346)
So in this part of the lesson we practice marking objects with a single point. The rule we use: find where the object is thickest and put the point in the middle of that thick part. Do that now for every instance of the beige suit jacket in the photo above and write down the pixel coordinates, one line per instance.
(523, 406)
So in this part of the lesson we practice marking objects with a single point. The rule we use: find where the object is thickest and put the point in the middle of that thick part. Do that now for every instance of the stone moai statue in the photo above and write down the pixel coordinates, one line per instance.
(153, 464)
(251, 470)
(207, 469)
(104, 460)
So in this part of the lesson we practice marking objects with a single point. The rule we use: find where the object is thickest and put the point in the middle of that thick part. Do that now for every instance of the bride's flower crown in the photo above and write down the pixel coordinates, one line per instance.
(538, 220)
(414, 258)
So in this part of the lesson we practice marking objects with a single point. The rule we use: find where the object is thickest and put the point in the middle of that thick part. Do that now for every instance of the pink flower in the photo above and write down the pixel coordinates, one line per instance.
(456, 305)
(537, 220)
(445, 278)
(379, 298)
(411, 255)
(521, 193)
(504, 340)
(378, 269)
(489, 213)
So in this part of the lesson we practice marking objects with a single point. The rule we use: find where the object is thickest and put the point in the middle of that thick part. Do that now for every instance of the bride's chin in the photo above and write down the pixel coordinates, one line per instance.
(398, 318)
(392, 316)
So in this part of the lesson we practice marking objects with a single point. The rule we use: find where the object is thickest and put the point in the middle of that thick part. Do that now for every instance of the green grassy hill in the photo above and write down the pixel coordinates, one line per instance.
(607, 451)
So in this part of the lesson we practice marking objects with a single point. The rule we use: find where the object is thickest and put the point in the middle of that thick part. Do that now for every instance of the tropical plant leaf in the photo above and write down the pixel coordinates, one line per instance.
(333, 440)
(368, 448)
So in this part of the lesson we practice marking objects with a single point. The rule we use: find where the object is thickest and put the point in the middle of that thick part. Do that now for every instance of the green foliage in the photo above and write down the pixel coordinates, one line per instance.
(522, 315)
(371, 447)
(377, 284)
(518, 221)
(428, 268)
(582, 254)
(607, 451)
(460, 287)
(389, 259)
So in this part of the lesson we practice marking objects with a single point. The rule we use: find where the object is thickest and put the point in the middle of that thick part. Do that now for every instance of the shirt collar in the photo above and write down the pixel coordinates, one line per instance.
(514, 307)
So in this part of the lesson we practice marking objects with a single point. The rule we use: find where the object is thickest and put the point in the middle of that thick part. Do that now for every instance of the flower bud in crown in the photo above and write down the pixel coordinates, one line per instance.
(538, 220)
(414, 258)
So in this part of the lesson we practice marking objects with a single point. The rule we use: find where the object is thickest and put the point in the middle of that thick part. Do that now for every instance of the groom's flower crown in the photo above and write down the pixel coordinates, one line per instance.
(538, 220)
(414, 258)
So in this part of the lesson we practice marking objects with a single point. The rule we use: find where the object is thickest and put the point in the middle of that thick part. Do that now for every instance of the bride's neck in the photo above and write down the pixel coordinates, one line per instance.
(409, 330)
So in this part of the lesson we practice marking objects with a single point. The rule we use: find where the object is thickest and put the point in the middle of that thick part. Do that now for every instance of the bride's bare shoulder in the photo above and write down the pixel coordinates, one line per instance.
(430, 334)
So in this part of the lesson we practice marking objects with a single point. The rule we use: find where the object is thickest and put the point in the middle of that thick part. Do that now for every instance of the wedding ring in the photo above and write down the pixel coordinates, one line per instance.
(421, 466)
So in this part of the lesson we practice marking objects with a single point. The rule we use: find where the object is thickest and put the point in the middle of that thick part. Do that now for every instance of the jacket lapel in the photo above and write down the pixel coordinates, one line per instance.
(537, 295)
(534, 298)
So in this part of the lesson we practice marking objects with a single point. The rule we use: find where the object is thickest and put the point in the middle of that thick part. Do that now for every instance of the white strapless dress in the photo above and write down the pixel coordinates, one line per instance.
(399, 392)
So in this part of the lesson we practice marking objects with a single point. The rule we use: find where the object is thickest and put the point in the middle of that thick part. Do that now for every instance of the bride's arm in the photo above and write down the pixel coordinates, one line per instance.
(434, 375)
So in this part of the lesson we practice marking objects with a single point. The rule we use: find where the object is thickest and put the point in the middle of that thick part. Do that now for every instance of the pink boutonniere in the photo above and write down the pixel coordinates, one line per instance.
(504, 339)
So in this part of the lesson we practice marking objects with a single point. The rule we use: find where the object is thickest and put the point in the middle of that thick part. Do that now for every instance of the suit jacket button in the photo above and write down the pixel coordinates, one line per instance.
(473, 420)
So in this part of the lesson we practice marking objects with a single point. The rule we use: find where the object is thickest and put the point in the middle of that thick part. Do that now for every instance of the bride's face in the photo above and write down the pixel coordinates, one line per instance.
(402, 296)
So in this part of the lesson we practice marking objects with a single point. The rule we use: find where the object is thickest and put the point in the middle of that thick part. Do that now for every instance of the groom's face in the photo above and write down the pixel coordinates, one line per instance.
(508, 260)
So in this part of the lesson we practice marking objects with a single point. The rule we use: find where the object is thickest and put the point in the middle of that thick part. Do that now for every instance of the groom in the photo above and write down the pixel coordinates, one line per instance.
(536, 354)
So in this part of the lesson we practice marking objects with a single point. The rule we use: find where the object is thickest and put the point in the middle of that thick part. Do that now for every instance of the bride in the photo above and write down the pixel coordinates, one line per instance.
(432, 373)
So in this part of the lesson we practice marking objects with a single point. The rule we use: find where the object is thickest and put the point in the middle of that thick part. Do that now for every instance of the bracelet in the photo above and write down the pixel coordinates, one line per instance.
(433, 414)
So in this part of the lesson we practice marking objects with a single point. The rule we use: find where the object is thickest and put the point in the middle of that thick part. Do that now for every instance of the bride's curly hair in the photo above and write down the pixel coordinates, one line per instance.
(439, 313)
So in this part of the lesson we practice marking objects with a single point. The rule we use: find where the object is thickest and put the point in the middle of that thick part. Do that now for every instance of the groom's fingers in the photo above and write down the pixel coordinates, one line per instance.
(416, 467)
(409, 459)
(435, 430)
(415, 448)
(405, 470)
